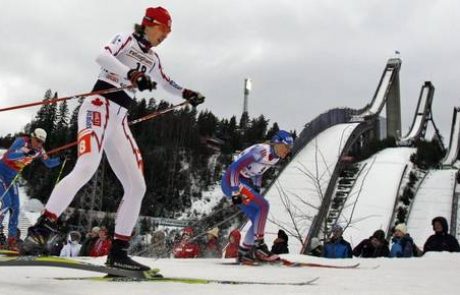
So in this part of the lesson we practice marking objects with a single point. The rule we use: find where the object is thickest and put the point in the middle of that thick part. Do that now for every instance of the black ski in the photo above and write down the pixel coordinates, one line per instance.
(52, 261)
(159, 278)
(288, 263)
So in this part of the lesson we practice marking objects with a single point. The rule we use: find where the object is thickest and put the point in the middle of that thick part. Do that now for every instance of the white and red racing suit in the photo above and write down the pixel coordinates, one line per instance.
(103, 126)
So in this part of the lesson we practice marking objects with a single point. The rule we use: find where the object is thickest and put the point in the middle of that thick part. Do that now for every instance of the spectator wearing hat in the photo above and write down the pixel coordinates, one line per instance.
(73, 246)
(102, 245)
(441, 240)
(212, 249)
(337, 247)
(375, 246)
(403, 245)
(158, 241)
(90, 238)
(280, 244)
(231, 251)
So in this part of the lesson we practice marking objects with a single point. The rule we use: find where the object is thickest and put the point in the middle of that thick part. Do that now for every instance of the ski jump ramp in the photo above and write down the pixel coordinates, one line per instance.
(434, 198)
(297, 193)
(371, 202)
(422, 113)
(381, 95)
(454, 145)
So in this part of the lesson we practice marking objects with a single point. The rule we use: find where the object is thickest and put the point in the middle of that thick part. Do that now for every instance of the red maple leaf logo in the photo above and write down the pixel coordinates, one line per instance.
(97, 102)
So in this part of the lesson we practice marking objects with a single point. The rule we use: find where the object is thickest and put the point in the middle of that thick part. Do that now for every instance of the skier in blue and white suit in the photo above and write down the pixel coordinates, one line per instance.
(242, 181)
(21, 153)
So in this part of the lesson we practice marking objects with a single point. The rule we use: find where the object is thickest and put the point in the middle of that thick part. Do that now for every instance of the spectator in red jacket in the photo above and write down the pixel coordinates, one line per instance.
(186, 247)
(102, 245)
(231, 251)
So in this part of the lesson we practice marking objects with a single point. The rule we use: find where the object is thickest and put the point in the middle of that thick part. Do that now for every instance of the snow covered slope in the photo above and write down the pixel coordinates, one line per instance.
(434, 198)
(371, 202)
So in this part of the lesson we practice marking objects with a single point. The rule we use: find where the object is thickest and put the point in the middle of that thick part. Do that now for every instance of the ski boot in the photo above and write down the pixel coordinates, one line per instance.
(262, 252)
(246, 256)
(13, 244)
(118, 257)
(38, 235)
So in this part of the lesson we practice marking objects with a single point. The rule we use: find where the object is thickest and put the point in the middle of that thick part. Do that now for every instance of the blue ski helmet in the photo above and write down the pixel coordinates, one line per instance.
(283, 136)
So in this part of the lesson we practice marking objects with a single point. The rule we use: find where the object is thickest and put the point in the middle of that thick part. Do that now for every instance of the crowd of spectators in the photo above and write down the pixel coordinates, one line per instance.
(190, 243)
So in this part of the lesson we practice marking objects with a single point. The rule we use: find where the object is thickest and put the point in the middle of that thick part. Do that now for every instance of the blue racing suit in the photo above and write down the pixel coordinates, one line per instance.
(244, 176)
(11, 164)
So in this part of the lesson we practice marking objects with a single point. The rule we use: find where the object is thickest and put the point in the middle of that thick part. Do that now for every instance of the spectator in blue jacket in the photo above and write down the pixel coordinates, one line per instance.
(337, 247)
(403, 245)
(21, 153)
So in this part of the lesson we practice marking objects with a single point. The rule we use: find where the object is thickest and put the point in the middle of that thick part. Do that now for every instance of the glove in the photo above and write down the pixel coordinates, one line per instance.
(28, 152)
(237, 199)
(141, 80)
(193, 97)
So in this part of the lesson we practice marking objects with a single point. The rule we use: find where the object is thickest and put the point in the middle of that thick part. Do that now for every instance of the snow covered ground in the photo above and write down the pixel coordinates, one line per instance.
(436, 273)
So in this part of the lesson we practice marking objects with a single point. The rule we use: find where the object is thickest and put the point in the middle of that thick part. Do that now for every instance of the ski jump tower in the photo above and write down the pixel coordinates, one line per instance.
(387, 94)
(393, 110)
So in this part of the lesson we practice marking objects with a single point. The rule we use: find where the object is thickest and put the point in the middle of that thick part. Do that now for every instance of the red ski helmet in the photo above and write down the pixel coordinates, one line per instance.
(157, 16)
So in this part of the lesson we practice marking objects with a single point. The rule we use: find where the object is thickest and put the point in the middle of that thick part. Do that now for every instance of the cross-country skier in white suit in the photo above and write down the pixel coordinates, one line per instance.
(128, 59)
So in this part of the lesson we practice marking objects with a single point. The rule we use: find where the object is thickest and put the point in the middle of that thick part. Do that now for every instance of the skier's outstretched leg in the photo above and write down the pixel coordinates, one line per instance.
(121, 145)
(257, 211)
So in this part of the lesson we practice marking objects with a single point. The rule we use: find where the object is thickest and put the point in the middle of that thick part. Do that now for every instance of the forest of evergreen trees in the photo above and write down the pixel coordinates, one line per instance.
(176, 149)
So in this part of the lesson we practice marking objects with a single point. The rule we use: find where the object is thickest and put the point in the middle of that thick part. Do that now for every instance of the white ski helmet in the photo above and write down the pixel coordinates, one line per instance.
(40, 134)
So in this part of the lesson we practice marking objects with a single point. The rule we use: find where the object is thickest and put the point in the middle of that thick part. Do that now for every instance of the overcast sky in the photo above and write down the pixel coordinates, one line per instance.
(303, 56)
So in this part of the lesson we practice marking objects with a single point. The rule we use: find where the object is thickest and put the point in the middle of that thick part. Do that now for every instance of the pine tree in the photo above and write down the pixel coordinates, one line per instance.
(272, 131)
(46, 115)
(62, 124)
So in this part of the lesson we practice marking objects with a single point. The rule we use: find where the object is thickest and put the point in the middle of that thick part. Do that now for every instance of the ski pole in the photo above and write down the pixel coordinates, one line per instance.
(62, 147)
(51, 101)
(139, 120)
(157, 113)
(60, 171)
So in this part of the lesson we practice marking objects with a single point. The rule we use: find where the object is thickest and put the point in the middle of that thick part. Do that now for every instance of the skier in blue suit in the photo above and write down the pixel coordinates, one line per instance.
(22, 152)
(242, 181)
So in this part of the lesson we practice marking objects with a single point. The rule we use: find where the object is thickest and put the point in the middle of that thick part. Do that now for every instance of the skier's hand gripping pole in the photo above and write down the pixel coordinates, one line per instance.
(244, 196)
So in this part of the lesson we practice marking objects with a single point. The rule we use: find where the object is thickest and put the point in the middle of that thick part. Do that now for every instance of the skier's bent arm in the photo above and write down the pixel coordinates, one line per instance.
(51, 162)
(107, 58)
(107, 61)
(17, 151)
(235, 169)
